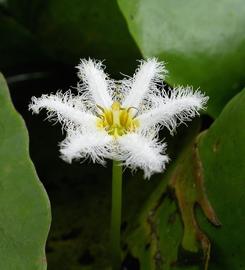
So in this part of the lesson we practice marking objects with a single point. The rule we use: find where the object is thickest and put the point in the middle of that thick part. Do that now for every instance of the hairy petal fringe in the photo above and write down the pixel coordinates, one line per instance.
(63, 108)
(139, 151)
(173, 108)
(95, 81)
(147, 76)
(96, 146)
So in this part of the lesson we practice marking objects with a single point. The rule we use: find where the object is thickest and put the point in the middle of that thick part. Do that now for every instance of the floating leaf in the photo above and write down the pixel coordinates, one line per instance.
(222, 151)
(203, 42)
(24, 205)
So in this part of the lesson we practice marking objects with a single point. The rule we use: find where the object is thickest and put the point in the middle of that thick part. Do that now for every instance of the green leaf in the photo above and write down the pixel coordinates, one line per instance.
(24, 205)
(222, 151)
(207, 180)
(202, 42)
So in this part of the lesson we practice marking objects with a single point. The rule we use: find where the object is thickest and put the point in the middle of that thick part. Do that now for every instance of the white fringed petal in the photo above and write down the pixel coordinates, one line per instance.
(180, 105)
(137, 147)
(65, 109)
(149, 73)
(96, 145)
(145, 153)
(96, 82)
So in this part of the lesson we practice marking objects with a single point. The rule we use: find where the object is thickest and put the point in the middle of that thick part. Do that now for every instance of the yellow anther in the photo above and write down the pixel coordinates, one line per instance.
(116, 120)
(116, 106)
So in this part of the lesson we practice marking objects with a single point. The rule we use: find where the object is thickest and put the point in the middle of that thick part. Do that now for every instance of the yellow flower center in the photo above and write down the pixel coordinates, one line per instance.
(116, 120)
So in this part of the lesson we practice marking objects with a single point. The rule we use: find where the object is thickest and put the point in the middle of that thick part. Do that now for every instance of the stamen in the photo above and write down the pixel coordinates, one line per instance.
(117, 121)
(132, 108)
(101, 108)
(134, 116)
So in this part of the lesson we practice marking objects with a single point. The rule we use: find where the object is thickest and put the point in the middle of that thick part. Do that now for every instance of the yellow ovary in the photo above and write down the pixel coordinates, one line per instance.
(116, 120)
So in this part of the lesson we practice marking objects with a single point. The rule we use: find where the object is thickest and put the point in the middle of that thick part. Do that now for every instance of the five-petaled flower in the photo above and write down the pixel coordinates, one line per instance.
(120, 120)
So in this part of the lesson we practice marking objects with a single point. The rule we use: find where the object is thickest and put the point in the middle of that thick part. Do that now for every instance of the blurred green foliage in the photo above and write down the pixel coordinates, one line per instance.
(163, 227)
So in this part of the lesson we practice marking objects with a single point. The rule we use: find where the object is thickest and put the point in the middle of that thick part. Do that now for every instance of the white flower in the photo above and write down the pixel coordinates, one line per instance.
(120, 120)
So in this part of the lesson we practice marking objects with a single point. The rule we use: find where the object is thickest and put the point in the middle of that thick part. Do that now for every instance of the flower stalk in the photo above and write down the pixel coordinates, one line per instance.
(116, 215)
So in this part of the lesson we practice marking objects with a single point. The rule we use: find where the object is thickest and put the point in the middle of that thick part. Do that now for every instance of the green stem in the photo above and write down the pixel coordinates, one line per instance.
(116, 215)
